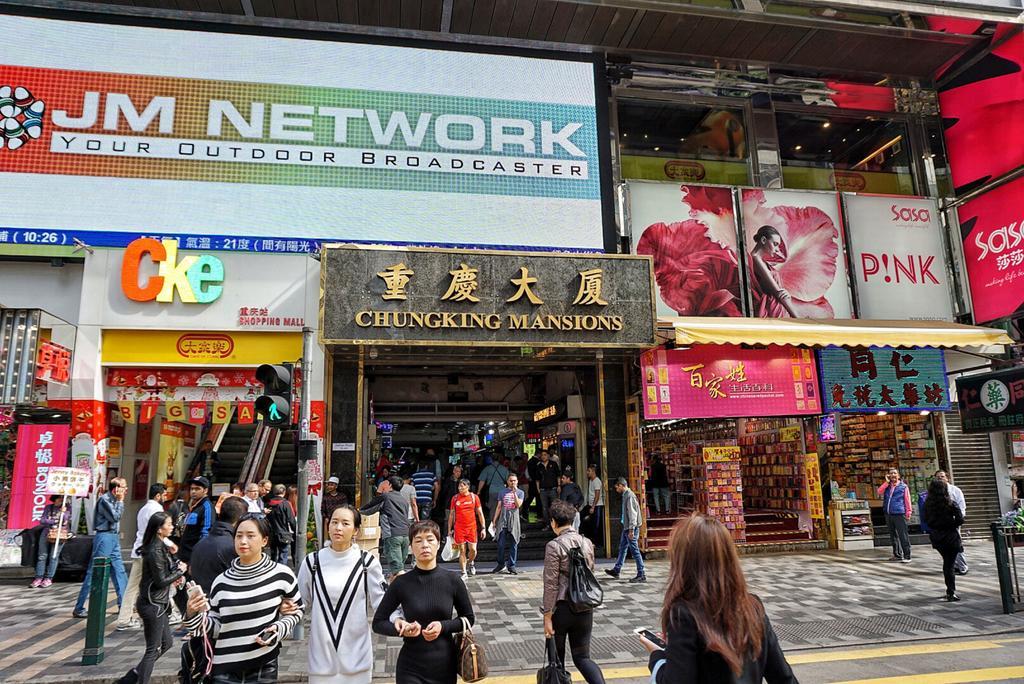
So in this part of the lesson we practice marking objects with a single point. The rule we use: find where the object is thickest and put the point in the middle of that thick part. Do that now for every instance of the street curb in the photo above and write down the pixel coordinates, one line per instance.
(291, 677)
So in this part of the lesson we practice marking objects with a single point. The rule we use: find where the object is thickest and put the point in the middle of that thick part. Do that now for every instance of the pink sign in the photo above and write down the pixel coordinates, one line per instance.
(727, 381)
(40, 448)
(990, 225)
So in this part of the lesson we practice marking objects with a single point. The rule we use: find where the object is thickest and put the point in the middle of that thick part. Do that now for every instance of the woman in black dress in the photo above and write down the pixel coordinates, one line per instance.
(427, 595)
(944, 519)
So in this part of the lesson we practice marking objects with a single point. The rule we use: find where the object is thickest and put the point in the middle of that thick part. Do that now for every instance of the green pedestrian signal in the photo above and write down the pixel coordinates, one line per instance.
(274, 405)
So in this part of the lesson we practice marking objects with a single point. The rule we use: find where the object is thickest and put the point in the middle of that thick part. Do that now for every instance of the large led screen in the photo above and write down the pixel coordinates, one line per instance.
(268, 143)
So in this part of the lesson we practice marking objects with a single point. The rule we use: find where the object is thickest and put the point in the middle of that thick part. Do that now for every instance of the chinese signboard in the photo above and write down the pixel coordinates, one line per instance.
(991, 402)
(898, 259)
(722, 381)
(68, 481)
(812, 475)
(450, 297)
(150, 347)
(721, 454)
(40, 448)
(425, 145)
(53, 363)
(883, 379)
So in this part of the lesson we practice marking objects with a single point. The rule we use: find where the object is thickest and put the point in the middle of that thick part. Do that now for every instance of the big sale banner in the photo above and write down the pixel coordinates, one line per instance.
(992, 229)
(725, 380)
(793, 242)
(40, 448)
(898, 258)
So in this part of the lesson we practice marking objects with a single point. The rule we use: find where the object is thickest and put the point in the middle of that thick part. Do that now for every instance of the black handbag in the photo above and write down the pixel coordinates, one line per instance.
(554, 672)
(584, 593)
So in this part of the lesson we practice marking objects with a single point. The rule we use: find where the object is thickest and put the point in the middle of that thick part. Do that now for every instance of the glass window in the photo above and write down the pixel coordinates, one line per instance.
(668, 141)
(827, 152)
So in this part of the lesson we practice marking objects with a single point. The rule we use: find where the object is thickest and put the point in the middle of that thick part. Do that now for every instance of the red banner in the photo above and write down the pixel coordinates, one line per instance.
(40, 447)
(246, 412)
(147, 410)
(197, 412)
(152, 378)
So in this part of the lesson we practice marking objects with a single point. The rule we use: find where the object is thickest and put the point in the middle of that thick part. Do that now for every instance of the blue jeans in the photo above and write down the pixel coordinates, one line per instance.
(284, 554)
(662, 499)
(44, 569)
(260, 675)
(104, 545)
(631, 545)
(508, 550)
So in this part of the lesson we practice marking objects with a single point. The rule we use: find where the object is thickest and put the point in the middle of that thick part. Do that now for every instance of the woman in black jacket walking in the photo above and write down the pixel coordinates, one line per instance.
(944, 519)
(716, 631)
(160, 572)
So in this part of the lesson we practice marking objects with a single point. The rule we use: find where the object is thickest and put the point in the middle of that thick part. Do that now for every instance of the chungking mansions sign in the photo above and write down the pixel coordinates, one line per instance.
(405, 295)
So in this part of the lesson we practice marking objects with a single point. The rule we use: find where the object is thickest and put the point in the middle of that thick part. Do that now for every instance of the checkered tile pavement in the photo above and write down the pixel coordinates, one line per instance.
(814, 600)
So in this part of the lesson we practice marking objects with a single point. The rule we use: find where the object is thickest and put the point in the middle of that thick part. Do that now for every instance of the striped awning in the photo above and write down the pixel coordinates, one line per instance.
(821, 333)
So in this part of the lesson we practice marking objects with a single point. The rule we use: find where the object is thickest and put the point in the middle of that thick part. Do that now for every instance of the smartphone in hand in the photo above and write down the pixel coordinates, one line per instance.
(651, 635)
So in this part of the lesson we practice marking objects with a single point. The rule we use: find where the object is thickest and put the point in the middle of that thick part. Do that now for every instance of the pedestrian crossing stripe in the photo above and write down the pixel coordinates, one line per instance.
(988, 674)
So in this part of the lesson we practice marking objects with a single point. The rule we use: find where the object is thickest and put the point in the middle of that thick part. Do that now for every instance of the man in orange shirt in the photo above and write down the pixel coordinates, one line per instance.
(466, 513)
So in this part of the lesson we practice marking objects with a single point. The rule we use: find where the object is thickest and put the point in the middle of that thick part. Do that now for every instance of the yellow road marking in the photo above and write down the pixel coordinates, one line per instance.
(989, 674)
(887, 651)
(844, 655)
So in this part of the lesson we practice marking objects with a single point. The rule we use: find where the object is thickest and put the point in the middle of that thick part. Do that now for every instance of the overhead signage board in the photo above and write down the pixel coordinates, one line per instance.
(873, 379)
(424, 146)
(898, 259)
(460, 297)
(991, 402)
(729, 381)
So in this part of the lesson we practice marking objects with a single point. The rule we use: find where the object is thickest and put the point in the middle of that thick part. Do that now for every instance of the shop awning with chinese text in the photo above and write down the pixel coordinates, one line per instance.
(820, 333)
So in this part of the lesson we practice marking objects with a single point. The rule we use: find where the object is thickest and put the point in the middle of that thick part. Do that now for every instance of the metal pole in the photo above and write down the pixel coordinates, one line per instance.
(97, 621)
(301, 480)
(999, 539)
(60, 520)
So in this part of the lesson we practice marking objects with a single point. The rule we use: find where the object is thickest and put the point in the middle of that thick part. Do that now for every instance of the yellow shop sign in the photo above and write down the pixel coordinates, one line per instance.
(161, 347)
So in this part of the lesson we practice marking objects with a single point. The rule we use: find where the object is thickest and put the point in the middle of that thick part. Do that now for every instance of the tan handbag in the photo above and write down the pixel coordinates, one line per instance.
(472, 659)
(51, 535)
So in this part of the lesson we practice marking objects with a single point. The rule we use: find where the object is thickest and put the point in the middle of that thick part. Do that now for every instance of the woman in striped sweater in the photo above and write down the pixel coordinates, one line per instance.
(242, 614)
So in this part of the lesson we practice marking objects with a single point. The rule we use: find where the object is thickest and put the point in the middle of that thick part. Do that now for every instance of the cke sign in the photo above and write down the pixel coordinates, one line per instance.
(198, 279)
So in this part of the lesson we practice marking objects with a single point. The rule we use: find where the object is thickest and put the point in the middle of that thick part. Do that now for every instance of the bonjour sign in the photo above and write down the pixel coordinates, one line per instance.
(436, 296)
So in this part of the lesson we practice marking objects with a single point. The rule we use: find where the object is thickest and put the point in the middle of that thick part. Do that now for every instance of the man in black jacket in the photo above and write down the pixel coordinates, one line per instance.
(548, 473)
(213, 555)
(571, 493)
(282, 524)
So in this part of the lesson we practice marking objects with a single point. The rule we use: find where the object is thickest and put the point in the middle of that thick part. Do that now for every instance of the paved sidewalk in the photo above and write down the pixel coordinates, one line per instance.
(814, 600)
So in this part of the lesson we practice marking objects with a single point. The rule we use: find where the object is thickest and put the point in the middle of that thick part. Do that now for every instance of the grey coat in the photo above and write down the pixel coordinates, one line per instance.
(630, 509)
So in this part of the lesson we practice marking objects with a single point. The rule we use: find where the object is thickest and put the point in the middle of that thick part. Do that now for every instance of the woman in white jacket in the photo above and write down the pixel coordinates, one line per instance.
(340, 584)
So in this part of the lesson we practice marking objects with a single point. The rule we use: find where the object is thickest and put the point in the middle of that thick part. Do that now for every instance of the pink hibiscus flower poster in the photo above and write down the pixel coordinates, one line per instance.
(690, 230)
(794, 250)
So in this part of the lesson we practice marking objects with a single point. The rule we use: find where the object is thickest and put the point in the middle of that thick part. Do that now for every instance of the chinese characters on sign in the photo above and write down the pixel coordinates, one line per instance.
(53, 363)
(456, 297)
(812, 475)
(991, 402)
(40, 448)
(883, 379)
(723, 381)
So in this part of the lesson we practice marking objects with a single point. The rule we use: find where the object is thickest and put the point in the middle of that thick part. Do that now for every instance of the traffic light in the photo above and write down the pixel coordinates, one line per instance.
(274, 405)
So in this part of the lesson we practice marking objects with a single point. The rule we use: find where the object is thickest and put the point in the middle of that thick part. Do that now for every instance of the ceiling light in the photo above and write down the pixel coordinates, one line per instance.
(844, 139)
(684, 139)
(657, 149)
(798, 148)
(826, 124)
(883, 413)
(625, 135)
(645, 136)
(926, 413)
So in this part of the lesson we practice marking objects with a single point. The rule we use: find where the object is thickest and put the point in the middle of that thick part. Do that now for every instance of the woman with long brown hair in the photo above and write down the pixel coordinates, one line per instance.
(716, 631)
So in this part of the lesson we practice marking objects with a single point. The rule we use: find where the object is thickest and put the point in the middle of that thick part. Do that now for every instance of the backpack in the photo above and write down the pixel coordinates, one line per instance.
(585, 593)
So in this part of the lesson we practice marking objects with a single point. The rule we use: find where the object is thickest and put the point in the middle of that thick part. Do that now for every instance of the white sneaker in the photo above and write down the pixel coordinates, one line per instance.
(133, 624)
(464, 577)
(472, 568)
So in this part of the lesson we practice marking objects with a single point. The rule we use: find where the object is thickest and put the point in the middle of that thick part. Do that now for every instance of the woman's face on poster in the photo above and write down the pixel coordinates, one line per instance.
(773, 245)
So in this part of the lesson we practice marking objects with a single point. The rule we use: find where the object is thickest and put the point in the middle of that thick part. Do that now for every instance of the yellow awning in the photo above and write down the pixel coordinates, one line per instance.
(820, 333)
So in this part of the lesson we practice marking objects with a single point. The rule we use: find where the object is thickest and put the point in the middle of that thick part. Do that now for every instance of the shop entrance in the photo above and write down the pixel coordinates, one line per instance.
(482, 410)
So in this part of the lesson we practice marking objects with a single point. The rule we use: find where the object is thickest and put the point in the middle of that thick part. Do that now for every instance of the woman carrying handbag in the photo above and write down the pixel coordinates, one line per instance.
(161, 576)
(341, 575)
(560, 619)
(427, 596)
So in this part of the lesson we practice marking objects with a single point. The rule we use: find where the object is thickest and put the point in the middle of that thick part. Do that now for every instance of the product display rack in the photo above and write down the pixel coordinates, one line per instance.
(773, 470)
(859, 463)
(851, 524)
(675, 444)
(719, 488)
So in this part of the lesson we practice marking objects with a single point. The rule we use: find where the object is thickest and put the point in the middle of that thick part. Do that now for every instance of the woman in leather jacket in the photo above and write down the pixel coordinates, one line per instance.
(161, 575)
